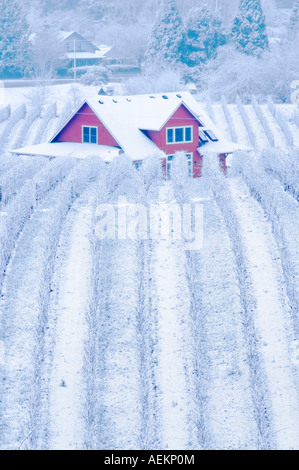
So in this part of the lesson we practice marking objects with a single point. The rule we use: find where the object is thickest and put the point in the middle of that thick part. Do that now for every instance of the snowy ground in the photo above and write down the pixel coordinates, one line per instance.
(144, 344)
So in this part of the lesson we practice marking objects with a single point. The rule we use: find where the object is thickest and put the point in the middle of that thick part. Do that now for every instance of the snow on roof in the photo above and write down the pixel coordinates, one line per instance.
(104, 49)
(77, 150)
(127, 116)
(222, 146)
(83, 55)
(147, 112)
(64, 34)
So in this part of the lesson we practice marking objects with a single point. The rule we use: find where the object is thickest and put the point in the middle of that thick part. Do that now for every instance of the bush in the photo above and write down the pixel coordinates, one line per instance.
(5, 113)
(126, 68)
(95, 75)
(260, 114)
(155, 81)
(244, 115)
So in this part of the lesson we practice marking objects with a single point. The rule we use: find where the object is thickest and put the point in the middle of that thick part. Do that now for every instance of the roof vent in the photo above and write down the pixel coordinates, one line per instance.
(152, 97)
(165, 97)
(179, 96)
(114, 101)
(128, 100)
(101, 102)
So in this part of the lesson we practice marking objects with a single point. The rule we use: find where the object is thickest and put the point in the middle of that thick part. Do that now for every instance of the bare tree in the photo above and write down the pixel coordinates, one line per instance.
(45, 55)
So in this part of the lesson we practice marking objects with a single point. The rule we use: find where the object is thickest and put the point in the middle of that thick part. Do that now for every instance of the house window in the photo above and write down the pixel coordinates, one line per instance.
(211, 135)
(169, 136)
(89, 134)
(190, 163)
(179, 135)
(138, 164)
(169, 163)
(203, 138)
(188, 134)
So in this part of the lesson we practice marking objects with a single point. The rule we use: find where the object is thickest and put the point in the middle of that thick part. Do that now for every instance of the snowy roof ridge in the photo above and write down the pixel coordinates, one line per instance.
(127, 116)
(65, 34)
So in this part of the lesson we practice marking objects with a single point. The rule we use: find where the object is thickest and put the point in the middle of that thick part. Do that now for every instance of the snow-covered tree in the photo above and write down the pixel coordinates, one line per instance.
(155, 80)
(205, 34)
(167, 41)
(294, 21)
(249, 29)
(95, 8)
(45, 54)
(234, 73)
(14, 37)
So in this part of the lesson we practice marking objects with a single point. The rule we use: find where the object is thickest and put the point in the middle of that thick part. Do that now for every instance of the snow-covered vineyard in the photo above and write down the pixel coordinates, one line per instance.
(142, 344)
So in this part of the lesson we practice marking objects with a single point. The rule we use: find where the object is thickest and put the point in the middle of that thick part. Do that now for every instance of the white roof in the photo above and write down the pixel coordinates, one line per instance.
(126, 116)
(147, 112)
(103, 49)
(64, 34)
(77, 150)
(222, 146)
(83, 55)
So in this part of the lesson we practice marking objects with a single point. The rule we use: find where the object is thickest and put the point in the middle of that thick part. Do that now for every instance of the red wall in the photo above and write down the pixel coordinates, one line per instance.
(72, 132)
(182, 117)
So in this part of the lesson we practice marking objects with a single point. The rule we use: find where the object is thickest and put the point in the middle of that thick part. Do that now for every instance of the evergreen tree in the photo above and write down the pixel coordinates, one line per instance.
(249, 29)
(14, 37)
(205, 34)
(95, 8)
(167, 41)
(294, 21)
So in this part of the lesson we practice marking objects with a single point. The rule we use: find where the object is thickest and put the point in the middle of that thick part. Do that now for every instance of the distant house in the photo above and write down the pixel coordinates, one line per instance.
(121, 63)
(117, 56)
(80, 51)
(284, 3)
(112, 88)
(139, 126)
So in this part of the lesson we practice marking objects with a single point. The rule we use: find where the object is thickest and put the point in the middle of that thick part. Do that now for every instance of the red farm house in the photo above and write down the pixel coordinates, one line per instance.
(139, 126)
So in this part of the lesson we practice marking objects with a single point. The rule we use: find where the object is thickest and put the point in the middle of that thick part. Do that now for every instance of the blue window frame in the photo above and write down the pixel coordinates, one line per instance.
(89, 134)
(188, 134)
(169, 136)
(179, 134)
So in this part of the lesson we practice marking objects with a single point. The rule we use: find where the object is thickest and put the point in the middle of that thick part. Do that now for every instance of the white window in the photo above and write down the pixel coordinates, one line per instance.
(169, 163)
(190, 163)
(89, 134)
(177, 135)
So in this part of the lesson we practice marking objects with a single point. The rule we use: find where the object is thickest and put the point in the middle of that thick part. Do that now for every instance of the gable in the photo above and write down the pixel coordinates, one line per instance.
(182, 116)
(82, 44)
(72, 131)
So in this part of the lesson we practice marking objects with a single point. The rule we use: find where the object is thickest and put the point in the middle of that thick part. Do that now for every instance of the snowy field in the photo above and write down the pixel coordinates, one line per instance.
(144, 344)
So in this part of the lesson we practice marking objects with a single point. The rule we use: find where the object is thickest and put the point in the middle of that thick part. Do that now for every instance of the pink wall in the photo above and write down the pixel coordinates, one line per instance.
(72, 132)
(182, 117)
